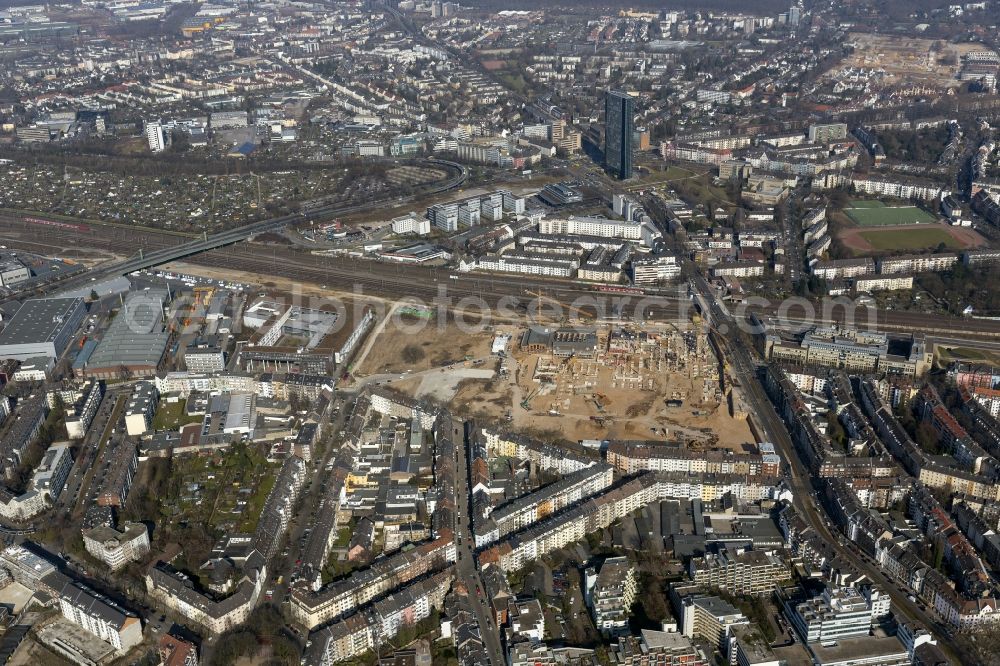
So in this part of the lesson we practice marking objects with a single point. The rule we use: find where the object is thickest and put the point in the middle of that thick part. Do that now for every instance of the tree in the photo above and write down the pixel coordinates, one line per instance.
(927, 438)
(412, 354)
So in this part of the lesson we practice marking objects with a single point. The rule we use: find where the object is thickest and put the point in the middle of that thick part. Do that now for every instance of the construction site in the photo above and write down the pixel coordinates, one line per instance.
(612, 382)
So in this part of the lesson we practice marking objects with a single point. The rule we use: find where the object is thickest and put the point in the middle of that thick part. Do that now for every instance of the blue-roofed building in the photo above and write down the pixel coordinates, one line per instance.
(81, 359)
(243, 150)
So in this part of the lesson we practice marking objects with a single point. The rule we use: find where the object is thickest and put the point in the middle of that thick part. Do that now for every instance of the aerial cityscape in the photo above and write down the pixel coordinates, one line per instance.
(499, 333)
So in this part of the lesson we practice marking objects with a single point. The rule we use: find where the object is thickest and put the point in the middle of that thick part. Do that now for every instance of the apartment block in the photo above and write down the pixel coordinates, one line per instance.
(116, 548)
(141, 408)
(750, 572)
(610, 594)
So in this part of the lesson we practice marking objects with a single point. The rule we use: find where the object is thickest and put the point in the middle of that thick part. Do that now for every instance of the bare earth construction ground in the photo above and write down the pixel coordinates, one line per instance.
(907, 58)
(573, 399)
(452, 366)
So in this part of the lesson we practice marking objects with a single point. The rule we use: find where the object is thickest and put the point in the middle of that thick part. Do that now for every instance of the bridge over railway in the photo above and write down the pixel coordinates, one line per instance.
(209, 242)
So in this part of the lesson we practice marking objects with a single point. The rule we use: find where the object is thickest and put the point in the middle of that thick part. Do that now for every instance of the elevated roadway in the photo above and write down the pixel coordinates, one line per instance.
(158, 257)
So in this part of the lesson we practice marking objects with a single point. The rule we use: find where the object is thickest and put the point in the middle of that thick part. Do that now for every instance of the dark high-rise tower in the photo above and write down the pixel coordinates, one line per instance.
(619, 114)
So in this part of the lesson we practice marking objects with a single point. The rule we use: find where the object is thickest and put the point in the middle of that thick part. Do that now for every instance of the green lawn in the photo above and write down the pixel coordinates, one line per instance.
(968, 354)
(171, 416)
(671, 173)
(909, 239)
(866, 203)
(889, 216)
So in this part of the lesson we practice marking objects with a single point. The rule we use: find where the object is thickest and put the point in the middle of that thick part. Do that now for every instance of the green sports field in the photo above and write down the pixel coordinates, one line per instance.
(909, 239)
(877, 214)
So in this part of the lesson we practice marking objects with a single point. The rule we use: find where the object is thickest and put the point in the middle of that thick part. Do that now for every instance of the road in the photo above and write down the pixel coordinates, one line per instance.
(96, 434)
(285, 562)
(744, 367)
(80, 498)
(467, 571)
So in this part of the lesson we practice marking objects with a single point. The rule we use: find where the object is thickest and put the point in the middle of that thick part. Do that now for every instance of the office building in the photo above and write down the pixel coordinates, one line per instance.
(411, 224)
(26, 566)
(838, 613)
(651, 271)
(619, 113)
(34, 370)
(205, 355)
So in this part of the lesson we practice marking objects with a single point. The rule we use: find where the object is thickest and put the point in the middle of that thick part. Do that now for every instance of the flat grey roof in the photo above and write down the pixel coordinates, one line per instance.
(38, 320)
(136, 336)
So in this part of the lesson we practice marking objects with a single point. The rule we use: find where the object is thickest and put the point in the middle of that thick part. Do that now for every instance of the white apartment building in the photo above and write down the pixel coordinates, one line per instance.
(117, 548)
(140, 409)
(156, 137)
(988, 398)
(591, 226)
(843, 268)
(107, 622)
(525, 265)
(610, 594)
(917, 263)
(78, 422)
(411, 224)
(51, 474)
(738, 269)
(896, 189)
(884, 283)
(524, 511)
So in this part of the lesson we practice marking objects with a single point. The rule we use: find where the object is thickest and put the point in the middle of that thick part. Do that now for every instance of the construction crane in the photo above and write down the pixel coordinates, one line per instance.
(526, 403)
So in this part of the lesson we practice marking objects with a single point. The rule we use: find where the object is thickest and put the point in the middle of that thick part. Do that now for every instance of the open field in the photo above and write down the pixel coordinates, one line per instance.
(866, 203)
(436, 344)
(886, 216)
(967, 354)
(907, 238)
(665, 177)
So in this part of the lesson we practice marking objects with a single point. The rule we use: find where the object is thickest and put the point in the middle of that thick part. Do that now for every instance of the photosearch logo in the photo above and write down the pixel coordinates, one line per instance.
(141, 312)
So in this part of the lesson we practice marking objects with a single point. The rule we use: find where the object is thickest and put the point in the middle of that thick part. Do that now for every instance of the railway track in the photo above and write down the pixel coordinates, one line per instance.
(149, 257)
(398, 281)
